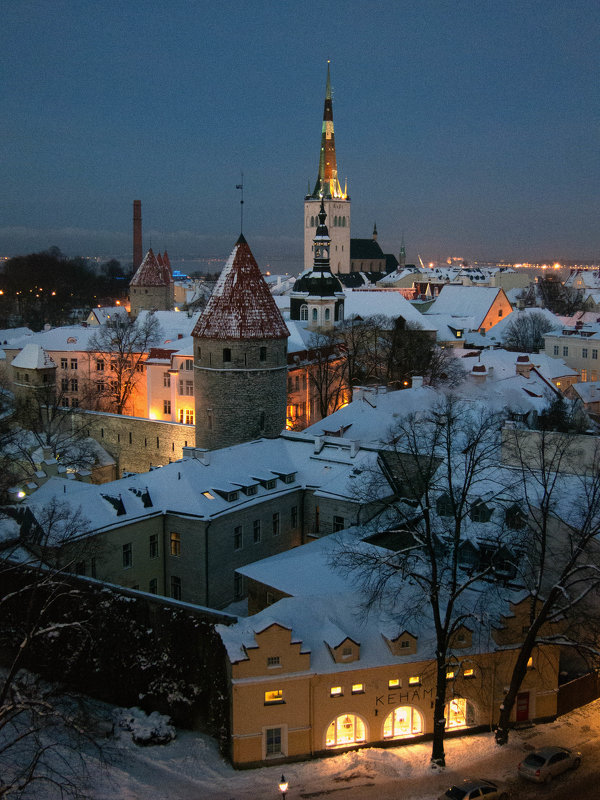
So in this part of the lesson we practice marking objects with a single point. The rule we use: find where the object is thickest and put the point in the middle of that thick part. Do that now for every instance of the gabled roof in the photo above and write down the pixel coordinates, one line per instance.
(241, 305)
(365, 249)
(473, 301)
(152, 272)
(33, 356)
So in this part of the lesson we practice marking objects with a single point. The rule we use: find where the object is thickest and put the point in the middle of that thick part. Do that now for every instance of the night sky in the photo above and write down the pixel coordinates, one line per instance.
(472, 127)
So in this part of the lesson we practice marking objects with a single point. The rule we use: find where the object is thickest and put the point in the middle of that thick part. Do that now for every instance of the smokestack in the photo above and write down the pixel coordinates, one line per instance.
(137, 233)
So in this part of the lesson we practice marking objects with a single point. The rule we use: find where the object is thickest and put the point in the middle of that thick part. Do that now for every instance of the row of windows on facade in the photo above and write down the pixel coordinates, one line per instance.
(315, 313)
(565, 352)
(23, 377)
(403, 721)
(336, 222)
(238, 537)
(73, 363)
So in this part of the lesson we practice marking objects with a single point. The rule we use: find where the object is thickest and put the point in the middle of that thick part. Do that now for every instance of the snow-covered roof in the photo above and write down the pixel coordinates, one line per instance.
(241, 305)
(471, 301)
(497, 334)
(324, 608)
(197, 489)
(368, 303)
(589, 392)
(33, 356)
(153, 271)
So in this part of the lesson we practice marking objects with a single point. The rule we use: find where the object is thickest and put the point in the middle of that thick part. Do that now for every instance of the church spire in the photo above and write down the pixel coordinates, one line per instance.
(327, 184)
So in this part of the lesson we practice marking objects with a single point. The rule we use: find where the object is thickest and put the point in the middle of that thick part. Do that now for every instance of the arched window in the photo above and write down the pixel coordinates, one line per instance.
(304, 312)
(314, 315)
(327, 314)
(312, 222)
(402, 721)
(344, 730)
(343, 222)
(459, 713)
(335, 222)
(340, 310)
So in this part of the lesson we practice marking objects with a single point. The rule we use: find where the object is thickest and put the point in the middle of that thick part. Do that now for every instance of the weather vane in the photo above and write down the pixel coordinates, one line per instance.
(240, 186)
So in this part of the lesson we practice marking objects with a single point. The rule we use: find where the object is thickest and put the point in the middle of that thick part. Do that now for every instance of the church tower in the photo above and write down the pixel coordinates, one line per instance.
(336, 200)
(240, 358)
(318, 296)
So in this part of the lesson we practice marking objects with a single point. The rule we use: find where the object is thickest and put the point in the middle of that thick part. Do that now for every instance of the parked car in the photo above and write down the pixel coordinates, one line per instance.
(472, 788)
(542, 765)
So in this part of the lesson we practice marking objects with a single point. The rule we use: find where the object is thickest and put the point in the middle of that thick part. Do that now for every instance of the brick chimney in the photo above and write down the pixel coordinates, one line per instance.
(524, 366)
(137, 233)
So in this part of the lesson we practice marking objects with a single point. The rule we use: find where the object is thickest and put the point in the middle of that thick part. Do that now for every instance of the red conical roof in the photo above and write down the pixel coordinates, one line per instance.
(151, 272)
(241, 305)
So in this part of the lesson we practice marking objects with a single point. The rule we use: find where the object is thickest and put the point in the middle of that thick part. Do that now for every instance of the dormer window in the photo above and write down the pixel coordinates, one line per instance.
(444, 505)
(514, 518)
(480, 512)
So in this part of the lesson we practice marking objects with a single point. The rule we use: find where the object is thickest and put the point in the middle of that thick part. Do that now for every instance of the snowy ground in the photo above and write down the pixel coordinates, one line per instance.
(190, 768)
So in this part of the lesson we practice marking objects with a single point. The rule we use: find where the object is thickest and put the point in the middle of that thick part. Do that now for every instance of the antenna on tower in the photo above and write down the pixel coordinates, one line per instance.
(240, 186)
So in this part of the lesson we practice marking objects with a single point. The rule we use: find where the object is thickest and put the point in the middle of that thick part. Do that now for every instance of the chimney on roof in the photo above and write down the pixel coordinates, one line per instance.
(479, 373)
(319, 442)
(137, 234)
(523, 366)
(354, 448)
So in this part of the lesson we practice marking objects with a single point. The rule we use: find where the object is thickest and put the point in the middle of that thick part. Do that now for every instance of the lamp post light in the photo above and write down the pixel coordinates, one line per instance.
(283, 786)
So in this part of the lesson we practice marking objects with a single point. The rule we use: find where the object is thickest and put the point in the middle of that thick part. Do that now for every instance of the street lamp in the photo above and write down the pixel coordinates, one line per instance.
(283, 786)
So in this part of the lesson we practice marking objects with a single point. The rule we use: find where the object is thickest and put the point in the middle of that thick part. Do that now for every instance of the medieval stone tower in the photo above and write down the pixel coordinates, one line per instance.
(240, 358)
(328, 189)
(152, 287)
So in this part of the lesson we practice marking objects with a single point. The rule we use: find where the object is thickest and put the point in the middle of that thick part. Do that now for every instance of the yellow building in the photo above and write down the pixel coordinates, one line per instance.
(311, 673)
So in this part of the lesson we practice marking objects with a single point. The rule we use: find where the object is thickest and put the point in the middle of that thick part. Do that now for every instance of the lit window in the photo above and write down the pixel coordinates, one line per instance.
(273, 661)
(394, 683)
(346, 729)
(469, 673)
(358, 688)
(336, 691)
(414, 680)
(274, 696)
(530, 662)
(450, 675)
(459, 713)
(208, 495)
(175, 544)
(403, 721)
(189, 416)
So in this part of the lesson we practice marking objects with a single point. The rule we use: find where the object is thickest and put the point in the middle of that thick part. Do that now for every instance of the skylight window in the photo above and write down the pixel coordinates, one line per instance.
(208, 495)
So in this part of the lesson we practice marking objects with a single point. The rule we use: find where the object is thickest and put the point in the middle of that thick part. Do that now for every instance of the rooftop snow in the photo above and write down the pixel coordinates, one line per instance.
(33, 356)
(241, 305)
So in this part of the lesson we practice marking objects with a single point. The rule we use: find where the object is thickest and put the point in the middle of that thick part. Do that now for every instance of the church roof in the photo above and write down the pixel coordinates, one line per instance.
(152, 271)
(241, 305)
(365, 248)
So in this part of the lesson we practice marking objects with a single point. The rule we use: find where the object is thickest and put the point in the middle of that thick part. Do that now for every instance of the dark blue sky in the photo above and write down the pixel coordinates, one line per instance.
(471, 126)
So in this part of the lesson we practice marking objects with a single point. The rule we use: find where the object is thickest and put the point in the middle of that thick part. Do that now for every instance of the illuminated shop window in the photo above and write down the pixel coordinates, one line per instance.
(459, 713)
(403, 721)
(345, 729)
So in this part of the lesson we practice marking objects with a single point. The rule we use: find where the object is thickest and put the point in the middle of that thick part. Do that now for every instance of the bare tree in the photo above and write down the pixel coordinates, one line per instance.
(439, 464)
(43, 731)
(525, 332)
(327, 373)
(125, 342)
(560, 477)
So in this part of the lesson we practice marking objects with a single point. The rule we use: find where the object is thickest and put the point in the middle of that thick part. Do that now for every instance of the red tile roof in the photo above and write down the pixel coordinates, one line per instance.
(241, 305)
(152, 272)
